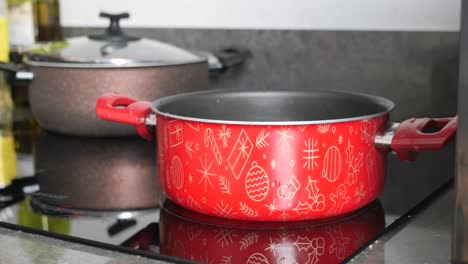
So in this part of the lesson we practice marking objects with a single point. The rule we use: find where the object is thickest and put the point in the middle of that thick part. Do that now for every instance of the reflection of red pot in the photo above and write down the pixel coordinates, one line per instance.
(192, 236)
(276, 155)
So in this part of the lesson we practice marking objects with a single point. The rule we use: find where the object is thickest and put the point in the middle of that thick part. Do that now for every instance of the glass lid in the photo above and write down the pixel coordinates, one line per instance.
(110, 49)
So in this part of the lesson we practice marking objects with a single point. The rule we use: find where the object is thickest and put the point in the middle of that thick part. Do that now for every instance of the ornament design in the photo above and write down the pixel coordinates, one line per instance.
(332, 164)
(177, 172)
(256, 183)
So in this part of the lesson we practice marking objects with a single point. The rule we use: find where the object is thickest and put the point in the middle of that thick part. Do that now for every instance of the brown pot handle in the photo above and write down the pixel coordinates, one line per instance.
(117, 108)
(416, 134)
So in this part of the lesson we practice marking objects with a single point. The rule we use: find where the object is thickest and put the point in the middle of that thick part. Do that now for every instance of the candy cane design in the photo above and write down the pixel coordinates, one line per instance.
(211, 140)
(332, 164)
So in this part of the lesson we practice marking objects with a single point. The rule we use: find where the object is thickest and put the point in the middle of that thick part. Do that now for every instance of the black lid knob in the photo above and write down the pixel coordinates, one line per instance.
(114, 32)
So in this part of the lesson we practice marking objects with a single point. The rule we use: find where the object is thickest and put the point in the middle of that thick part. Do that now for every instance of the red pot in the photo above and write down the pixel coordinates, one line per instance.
(187, 235)
(276, 155)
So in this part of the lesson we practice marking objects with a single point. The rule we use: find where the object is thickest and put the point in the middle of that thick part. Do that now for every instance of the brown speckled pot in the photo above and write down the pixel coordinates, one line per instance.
(63, 99)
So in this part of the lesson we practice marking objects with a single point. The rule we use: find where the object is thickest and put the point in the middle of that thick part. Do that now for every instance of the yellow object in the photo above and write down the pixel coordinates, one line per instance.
(7, 158)
(26, 217)
(4, 40)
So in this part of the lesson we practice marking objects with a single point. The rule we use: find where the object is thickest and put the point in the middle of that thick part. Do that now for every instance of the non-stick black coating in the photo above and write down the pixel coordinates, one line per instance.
(273, 106)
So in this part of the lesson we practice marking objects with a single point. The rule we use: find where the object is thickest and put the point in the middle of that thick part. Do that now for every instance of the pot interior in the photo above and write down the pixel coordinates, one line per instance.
(238, 106)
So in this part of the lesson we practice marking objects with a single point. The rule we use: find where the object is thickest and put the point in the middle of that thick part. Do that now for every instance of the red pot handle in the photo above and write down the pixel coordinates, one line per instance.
(416, 134)
(114, 107)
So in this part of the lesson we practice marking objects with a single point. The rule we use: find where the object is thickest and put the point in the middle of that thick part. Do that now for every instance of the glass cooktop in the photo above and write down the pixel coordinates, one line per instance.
(104, 192)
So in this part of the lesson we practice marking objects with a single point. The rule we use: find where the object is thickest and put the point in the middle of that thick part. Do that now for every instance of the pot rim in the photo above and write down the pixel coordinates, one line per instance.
(111, 64)
(389, 106)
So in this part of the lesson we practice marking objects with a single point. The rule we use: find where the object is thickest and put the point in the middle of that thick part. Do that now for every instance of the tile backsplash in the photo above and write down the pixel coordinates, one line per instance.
(417, 70)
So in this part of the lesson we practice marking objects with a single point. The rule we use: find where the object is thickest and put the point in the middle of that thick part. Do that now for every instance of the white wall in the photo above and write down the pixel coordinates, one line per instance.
(420, 15)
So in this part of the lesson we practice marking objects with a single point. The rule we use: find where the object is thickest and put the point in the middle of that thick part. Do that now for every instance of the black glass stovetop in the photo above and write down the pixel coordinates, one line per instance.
(61, 179)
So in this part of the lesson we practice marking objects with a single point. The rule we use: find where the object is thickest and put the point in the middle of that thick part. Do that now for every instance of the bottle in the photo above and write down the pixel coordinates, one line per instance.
(48, 20)
(21, 20)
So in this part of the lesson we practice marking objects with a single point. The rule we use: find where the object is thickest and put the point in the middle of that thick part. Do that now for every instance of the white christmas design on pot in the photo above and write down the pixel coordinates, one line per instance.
(371, 168)
(256, 183)
(354, 163)
(209, 139)
(289, 190)
(317, 200)
(332, 164)
(240, 153)
(224, 135)
(310, 154)
(177, 172)
(205, 172)
(257, 258)
(339, 200)
(176, 135)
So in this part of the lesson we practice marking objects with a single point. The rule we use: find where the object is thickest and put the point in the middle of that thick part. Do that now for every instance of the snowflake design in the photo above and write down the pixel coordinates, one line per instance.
(366, 131)
(340, 139)
(272, 247)
(273, 164)
(284, 139)
(205, 172)
(224, 236)
(224, 135)
(310, 154)
(360, 193)
(272, 207)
